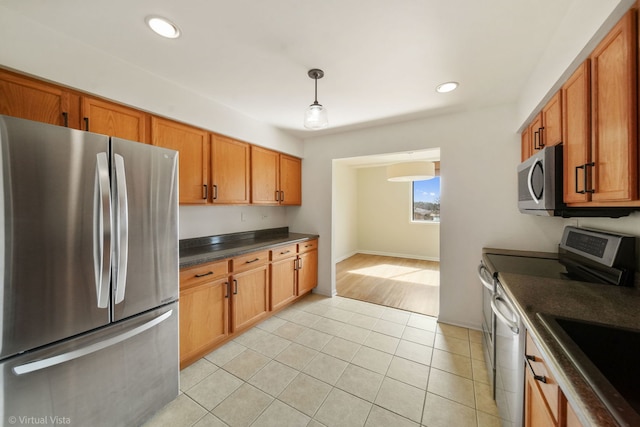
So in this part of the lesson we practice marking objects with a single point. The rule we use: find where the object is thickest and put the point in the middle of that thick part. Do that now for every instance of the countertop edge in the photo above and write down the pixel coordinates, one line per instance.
(219, 252)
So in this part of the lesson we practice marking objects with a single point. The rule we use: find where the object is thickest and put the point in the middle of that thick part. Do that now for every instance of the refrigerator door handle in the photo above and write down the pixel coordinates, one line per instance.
(122, 228)
(92, 348)
(102, 223)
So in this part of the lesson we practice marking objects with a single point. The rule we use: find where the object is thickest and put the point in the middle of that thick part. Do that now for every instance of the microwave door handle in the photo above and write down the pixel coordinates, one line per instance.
(529, 181)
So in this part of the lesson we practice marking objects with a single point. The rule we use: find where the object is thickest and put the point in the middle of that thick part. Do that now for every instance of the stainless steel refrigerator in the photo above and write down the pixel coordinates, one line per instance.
(89, 266)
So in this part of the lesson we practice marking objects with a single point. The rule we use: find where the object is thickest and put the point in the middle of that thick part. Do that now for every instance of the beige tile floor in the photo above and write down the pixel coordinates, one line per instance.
(338, 362)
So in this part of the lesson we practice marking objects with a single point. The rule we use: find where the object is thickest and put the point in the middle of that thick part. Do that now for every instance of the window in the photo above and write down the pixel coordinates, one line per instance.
(426, 200)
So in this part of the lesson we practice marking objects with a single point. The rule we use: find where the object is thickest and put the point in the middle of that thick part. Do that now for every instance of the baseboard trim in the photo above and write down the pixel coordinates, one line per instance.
(396, 255)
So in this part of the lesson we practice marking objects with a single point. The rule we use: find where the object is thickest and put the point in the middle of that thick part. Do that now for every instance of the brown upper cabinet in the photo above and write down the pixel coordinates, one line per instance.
(113, 119)
(31, 99)
(614, 148)
(230, 171)
(552, 122)
(600, 123)
(193, 146)
(290, 180)
(275, 178)
(576, 116)
(214, 169)
(545, 129)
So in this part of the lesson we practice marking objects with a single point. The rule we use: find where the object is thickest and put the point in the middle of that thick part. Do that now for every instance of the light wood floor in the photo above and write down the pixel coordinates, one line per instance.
(408, 284)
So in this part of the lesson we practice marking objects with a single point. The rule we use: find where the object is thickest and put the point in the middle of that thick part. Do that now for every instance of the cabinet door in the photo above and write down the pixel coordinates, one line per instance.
(290, 180)
(526, 149)
(230, 170)
(615, 144)
(283, 282)
(193, 146)
(264, 176)
(112, 119)
(204, 317)
(577, 135)
(250, 299)
(307, 271)
(552, 121)
(33, 100)
(536, 411)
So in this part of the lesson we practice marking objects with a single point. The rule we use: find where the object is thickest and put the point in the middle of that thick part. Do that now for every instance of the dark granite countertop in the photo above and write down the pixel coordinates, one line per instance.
(201, 250)
(606, 304)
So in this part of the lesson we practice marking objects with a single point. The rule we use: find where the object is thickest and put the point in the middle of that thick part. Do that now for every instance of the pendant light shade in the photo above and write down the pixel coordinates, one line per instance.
(315, 117)
(411, 171)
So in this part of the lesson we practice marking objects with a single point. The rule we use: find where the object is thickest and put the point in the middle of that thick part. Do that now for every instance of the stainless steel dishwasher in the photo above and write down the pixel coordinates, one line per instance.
(510, 345)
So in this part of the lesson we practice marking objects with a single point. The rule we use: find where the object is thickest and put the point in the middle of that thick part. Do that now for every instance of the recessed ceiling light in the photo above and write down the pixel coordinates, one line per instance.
(163, 27)
(446, 87)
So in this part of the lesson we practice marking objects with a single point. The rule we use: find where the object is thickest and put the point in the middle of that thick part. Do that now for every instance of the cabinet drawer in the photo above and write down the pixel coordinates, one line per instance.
(203, 273)
(307, 246)
(283, 252)
(249, 261)
(549, 388)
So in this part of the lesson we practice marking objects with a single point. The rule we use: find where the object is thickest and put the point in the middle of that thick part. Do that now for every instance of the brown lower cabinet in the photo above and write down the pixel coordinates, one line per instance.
(221, 299)
(545, 405)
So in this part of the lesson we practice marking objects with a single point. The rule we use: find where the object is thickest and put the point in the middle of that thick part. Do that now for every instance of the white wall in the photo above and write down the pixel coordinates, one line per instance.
(198, 221)
(479, 153)
(32, 48)
(345, 210)
(384, 219)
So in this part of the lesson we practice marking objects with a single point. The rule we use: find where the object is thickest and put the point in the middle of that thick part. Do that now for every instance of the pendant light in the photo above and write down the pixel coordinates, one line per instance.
(315, 117)
(411, 171)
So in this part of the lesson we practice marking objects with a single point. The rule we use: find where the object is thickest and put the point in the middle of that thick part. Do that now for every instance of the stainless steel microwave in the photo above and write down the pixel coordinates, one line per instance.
(540, 183)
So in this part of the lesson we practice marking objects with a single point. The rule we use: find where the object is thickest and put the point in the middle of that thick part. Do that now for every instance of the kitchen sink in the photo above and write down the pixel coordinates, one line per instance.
(607, 357)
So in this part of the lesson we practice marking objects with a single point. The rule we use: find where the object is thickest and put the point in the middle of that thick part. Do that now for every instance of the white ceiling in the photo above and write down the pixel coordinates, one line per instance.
(382, 59)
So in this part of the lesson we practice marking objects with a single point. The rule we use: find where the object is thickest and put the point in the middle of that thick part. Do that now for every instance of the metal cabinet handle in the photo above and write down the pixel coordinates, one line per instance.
(299, 263)
(206, 192)
(227, 289)
(215, 191)
(586, 165)
(285, 252)
(235, 287)
(528, 358)
(277, 196)
(536, 140)
(86, 124)
(282, 196)
(583, 167)
(253, 260)
(205, 274)
(65, 119)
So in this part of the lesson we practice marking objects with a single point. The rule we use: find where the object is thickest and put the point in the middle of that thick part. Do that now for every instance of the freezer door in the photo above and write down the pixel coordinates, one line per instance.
(117, 376)
(145, 205)
(54, 233)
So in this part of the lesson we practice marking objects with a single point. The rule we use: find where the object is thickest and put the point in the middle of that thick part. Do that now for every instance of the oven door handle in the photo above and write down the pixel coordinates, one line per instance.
(482, 275)
(500, 315)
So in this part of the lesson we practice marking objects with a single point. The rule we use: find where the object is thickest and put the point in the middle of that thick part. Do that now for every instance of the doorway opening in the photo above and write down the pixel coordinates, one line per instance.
(386, 237)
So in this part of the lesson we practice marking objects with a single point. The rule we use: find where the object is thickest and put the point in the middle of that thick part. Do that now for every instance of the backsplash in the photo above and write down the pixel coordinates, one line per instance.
(199, 221)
